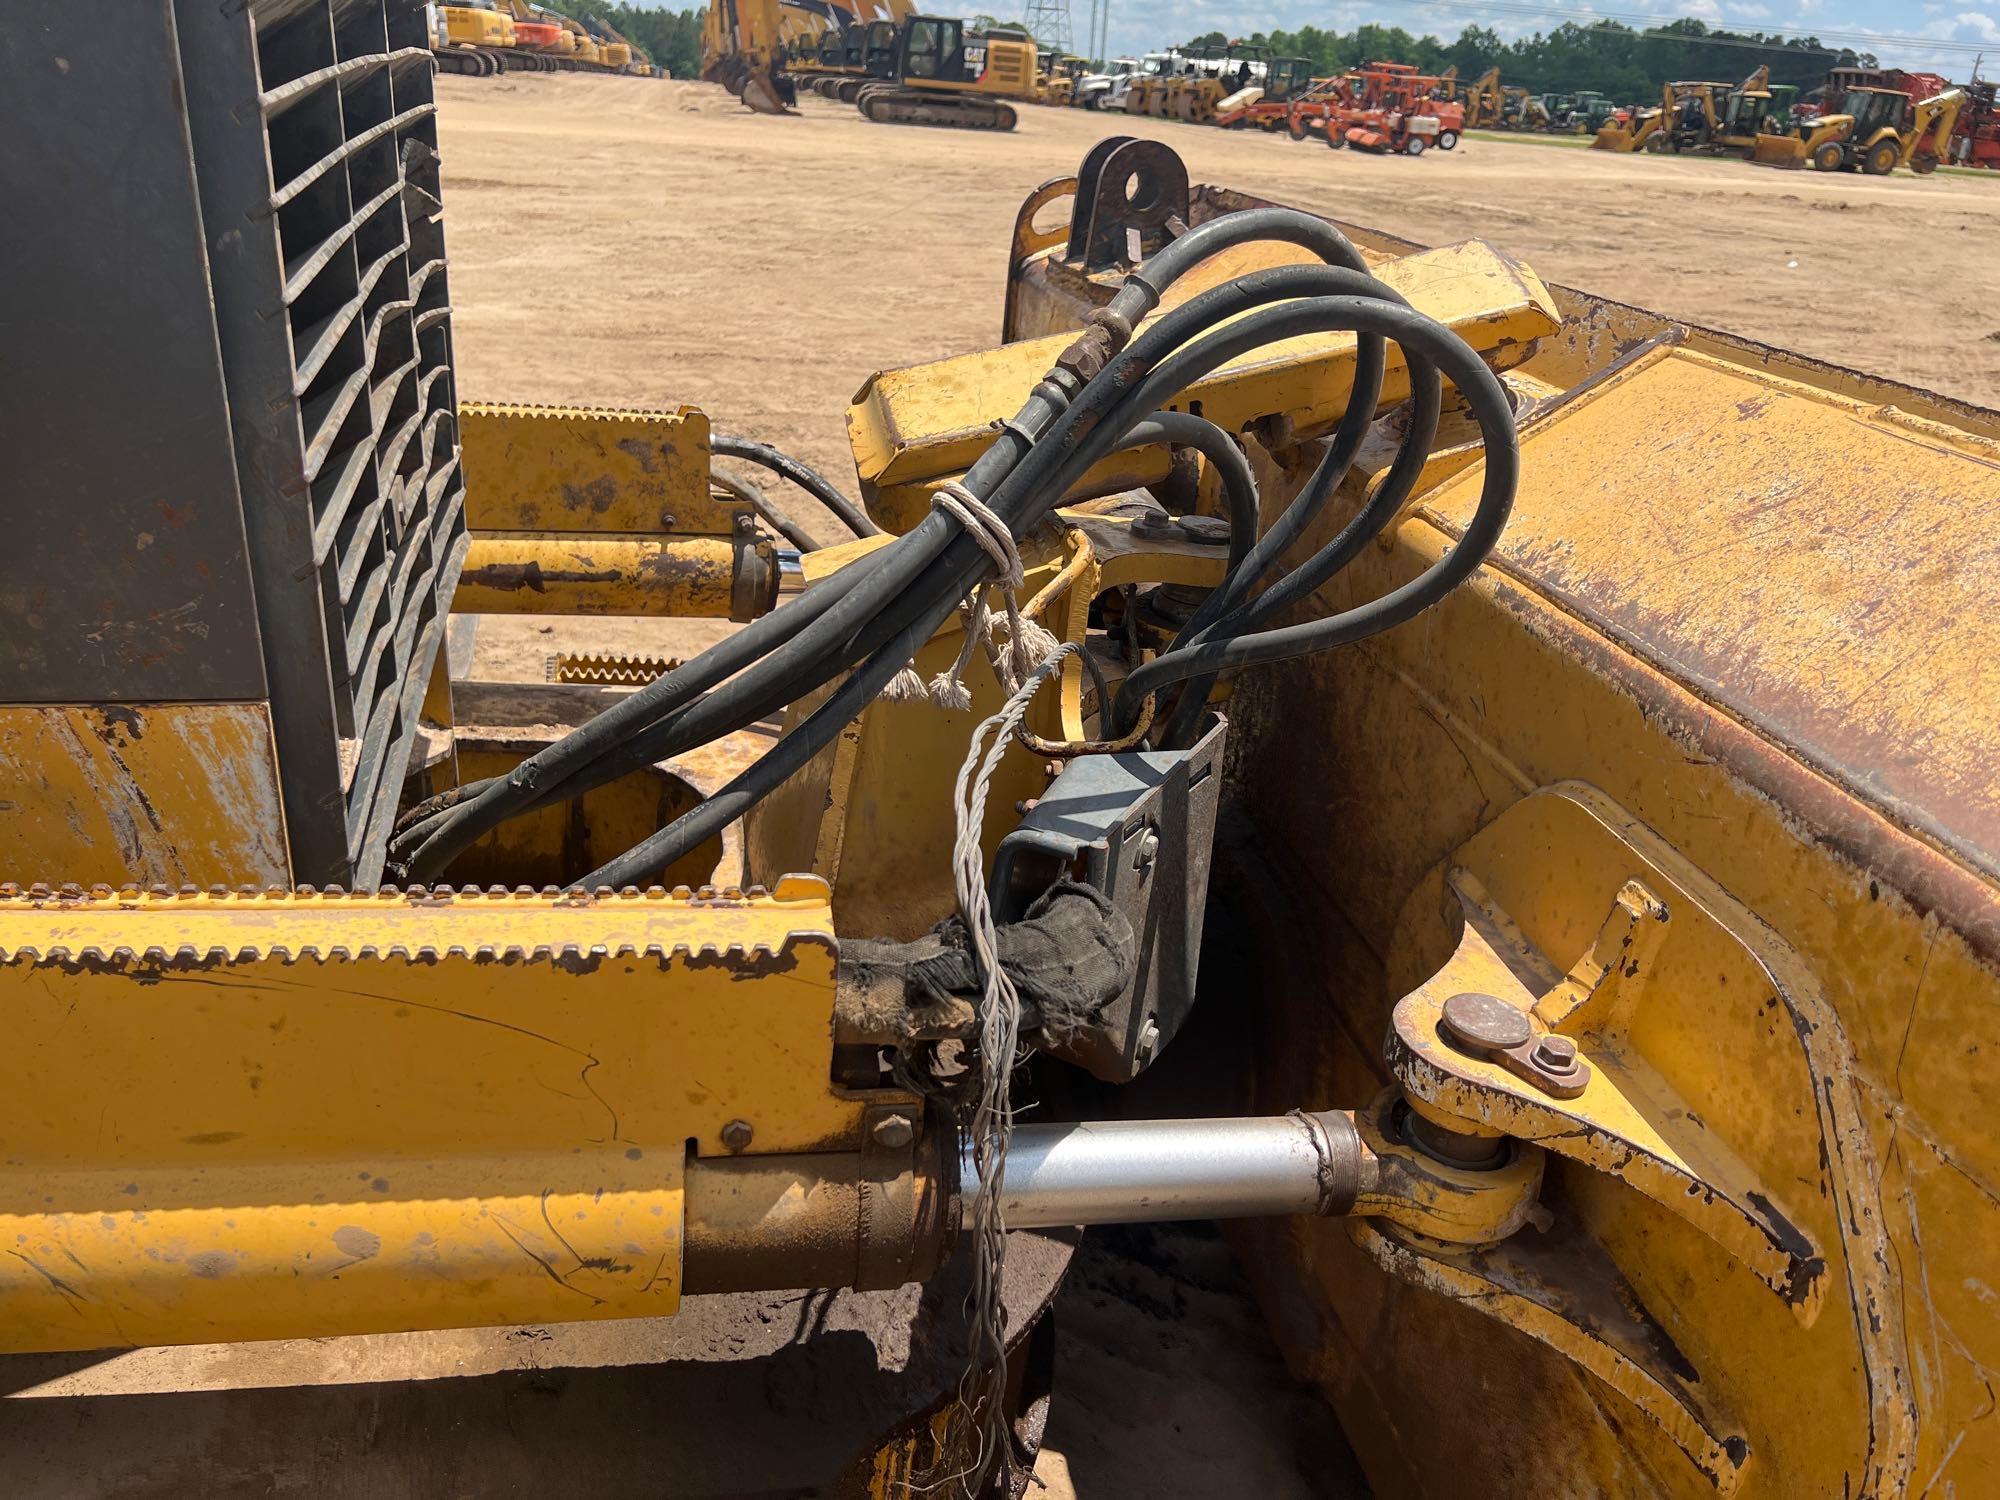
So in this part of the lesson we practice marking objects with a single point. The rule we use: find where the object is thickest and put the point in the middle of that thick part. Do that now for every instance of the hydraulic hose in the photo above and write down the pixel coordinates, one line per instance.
(869, 619)
(1490, 407)
(819, 728)
(1239, 485)
(852, 516)
(767, 509)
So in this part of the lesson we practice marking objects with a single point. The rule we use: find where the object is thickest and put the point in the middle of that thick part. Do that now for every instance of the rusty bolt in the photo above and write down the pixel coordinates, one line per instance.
(668, 520)
(894, 1132)
(1556, 1053)
(1484, 1023)
(736, 1135)
(1147, 852)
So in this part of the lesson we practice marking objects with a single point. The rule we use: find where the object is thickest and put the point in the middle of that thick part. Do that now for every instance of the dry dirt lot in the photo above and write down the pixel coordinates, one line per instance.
(620, 242)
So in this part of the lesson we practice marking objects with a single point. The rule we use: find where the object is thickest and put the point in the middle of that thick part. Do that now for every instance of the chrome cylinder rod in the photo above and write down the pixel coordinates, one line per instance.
(1146, 1171)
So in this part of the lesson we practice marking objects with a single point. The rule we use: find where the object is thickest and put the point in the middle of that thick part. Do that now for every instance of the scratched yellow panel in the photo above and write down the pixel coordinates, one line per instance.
(1821, 567)
(302, 1116)
(150, 793)
(562, 468)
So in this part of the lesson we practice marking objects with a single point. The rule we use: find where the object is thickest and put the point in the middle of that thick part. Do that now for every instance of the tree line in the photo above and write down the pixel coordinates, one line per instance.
(672, 38)
(1611, 58)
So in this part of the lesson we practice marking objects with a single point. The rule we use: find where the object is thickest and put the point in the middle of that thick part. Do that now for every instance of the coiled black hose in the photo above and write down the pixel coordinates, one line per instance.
(871, 618)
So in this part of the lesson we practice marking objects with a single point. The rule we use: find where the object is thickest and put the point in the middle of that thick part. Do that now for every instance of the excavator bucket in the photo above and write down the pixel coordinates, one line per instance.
(1613, 137)
(1779, 151)
(762, 96)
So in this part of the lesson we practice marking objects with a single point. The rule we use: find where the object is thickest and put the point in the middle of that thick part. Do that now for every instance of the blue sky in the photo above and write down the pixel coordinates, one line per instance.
(1951, 32)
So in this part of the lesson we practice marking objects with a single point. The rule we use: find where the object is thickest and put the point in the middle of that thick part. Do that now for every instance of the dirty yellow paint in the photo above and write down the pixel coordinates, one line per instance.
(259, 1117)
(566, 468)
(930, 422)
(597, 574)
(156, 793)
(1513, 685)
(1820, 569)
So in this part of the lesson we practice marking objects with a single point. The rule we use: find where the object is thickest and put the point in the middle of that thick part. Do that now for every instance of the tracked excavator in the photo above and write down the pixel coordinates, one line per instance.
(929, 79)
(475, 38)
(1345, 738)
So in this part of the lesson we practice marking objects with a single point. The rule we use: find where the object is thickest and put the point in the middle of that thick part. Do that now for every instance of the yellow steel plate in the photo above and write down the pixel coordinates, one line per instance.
(932, 420)
(157, 793)
(1824, 569)
(251, 1117)
(563, 468)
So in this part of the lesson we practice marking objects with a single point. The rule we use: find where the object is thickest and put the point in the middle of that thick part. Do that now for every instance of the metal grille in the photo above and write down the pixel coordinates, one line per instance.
(315, 140)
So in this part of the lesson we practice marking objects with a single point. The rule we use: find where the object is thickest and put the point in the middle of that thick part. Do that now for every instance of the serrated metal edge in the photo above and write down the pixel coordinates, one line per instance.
(189, 955)
(575, 413)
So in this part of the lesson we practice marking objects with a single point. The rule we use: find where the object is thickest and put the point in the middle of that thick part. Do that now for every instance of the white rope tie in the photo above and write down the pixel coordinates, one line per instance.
(1028, 644)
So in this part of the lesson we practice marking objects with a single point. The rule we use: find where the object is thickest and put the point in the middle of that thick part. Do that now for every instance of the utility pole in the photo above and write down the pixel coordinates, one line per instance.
(1047, 22)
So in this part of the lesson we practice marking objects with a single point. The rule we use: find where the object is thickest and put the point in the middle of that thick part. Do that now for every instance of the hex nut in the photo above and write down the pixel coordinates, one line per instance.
(737, 1134)
(1556, 1053)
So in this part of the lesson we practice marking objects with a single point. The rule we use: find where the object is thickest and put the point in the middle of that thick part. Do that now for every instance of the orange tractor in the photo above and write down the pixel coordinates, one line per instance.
(1324, 106)
(1404, 111)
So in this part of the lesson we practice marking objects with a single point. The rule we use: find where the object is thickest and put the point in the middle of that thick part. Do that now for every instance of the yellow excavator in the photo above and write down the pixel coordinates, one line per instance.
(933, 77)
(743, 49)
(474, 37)
(1591, 1062)
(1876, 131)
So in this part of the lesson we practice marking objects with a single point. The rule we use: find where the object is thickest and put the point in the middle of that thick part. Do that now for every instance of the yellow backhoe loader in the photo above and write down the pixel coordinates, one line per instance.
(1876, 130)
(1686, 106)
(1591, 1059)
(929, 79)
(1484, 101)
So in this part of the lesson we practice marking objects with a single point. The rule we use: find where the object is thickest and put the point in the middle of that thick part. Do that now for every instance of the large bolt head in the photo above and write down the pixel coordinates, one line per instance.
(894, 1132)
(1484, 1023)
(737, 1134)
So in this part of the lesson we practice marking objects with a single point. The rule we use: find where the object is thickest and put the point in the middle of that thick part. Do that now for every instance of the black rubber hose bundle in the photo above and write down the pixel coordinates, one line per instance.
(868, 620)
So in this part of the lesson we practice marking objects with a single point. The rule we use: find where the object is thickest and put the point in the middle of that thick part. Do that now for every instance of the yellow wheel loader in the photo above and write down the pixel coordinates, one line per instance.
(1516, 770)
(1876, 130)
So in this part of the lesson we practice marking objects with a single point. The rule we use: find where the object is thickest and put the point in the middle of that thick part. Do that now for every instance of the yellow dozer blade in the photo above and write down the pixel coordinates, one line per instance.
(1779, 151)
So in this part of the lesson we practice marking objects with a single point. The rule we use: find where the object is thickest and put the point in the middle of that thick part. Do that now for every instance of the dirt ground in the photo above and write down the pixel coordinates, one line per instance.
(618, 242)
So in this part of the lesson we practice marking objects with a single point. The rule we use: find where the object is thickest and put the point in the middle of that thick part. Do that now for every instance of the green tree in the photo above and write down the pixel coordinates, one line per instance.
(1606, 56)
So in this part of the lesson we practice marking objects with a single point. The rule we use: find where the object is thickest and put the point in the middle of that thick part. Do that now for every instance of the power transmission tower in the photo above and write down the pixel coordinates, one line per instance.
(1048, 23)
